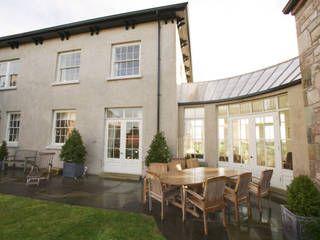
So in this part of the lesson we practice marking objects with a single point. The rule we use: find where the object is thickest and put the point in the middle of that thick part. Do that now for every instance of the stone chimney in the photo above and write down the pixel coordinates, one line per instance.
(307, 15)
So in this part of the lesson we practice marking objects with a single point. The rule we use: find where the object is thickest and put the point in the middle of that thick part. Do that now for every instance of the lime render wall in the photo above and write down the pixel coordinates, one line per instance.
(36, 97)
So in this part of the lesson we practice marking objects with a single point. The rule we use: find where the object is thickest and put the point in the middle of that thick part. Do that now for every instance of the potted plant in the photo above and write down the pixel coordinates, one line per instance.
(73, 154)
(3, 153)
(302, 209)
(158, 151)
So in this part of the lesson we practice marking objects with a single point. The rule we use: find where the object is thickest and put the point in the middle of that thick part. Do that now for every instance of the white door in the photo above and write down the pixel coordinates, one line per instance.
(123, 146)
(255, 145)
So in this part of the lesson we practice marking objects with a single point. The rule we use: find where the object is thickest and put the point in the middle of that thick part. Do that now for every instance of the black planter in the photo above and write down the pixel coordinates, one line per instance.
(72, 170)
(293, 225)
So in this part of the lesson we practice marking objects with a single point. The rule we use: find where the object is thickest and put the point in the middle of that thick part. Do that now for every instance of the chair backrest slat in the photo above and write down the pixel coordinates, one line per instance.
(214, 189)
(242, 187)
(192, 163)
(180, 161)
(158, 168)
(155, 184)
(44, 159)
(266, 176)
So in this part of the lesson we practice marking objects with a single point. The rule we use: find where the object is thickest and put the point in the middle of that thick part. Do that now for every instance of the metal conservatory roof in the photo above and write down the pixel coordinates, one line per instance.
(266, 80)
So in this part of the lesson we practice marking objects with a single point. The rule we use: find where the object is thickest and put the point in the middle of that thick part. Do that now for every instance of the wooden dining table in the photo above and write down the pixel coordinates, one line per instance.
(191, 177)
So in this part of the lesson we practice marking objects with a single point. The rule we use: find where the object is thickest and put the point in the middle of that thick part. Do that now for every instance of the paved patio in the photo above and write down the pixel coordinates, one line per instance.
(96, 192)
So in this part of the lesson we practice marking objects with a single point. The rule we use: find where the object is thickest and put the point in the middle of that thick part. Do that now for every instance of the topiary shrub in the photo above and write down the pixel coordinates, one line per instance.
(158, 151)
(3, 151)
(73, 150)
(303, 197)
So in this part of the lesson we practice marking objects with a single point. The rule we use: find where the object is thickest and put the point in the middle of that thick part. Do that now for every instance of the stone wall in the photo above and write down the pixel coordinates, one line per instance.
(308, 32)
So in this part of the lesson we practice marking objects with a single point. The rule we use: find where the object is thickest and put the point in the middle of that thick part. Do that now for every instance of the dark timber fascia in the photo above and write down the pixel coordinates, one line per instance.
(290, 6)
(92, 26)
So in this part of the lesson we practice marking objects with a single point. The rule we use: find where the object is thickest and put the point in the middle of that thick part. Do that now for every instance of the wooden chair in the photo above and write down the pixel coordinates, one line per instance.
(211, 200)
(160, 192)
(240, 193)
(192, 163)
(262, 187)
(156, 168)
(180, 161)
(41, 169)
(22, 156)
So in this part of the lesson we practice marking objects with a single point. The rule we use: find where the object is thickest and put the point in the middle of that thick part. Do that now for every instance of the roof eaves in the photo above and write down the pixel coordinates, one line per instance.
(95, 21)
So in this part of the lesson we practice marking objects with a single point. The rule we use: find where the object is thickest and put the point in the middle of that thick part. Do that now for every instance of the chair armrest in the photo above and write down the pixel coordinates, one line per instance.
(196, 195)
(229, 190)
(253, 184)
(256, 178)
(148, 173)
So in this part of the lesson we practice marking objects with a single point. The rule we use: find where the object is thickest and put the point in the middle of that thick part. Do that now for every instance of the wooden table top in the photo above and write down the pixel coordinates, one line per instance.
(192, 176)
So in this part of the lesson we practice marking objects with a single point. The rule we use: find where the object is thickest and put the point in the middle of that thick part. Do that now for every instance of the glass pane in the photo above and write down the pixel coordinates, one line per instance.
(135, 154)
(223, 110)
(136, 51)
(270, 153)
(114, 113)
(3, 68)
(240, 140)
(260, 153)
(245, 108)
(234, 109)
(257, 106)
(189, 113)
(2, 81)
(114, 139)
(132, 140)
(270, 104)
(283, 101)
(13, 80)
(286, 153)
(13, 69)
(284, 125)
(199, 112)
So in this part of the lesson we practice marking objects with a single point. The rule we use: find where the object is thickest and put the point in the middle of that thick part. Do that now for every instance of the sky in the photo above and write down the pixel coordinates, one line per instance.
(228, 37)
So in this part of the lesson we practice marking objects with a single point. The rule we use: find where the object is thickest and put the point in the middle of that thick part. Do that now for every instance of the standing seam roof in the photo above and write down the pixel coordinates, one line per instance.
(269, 79)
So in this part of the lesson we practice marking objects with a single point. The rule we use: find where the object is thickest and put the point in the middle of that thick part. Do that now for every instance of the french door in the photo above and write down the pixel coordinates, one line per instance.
(255, 145)
(123, 146)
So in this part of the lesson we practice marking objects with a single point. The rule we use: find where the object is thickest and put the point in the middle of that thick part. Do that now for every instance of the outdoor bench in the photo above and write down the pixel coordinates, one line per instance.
(22, 156)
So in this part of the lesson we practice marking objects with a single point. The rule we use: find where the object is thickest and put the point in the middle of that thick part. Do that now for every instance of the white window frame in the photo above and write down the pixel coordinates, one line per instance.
(194, 118)
(53, 140)
(12, 143)
(58, 80)
(7, 75)
(114, 46)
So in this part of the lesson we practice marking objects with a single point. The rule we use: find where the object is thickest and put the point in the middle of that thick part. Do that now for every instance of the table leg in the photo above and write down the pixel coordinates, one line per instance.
(183, 200)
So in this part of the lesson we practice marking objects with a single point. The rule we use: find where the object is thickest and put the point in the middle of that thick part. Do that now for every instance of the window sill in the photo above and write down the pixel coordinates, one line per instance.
(124, 77)
(65, 83)
(54, 147)
(8, 88)
(12, 144)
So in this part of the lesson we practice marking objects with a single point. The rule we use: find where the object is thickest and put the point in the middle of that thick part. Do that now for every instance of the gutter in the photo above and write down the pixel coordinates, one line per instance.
(158, 77)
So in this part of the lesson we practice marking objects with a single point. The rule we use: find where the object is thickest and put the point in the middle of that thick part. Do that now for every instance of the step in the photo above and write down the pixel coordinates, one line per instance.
(278, 194)
(120, 176)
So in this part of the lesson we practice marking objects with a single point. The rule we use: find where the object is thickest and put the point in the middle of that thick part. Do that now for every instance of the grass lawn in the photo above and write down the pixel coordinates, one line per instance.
(25, 218)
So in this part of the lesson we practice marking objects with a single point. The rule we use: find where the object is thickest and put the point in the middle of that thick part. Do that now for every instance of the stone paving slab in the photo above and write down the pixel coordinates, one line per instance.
(94, 191)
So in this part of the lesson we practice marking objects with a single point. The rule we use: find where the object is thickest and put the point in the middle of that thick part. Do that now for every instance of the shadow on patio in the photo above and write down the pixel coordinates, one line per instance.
(94, 191)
